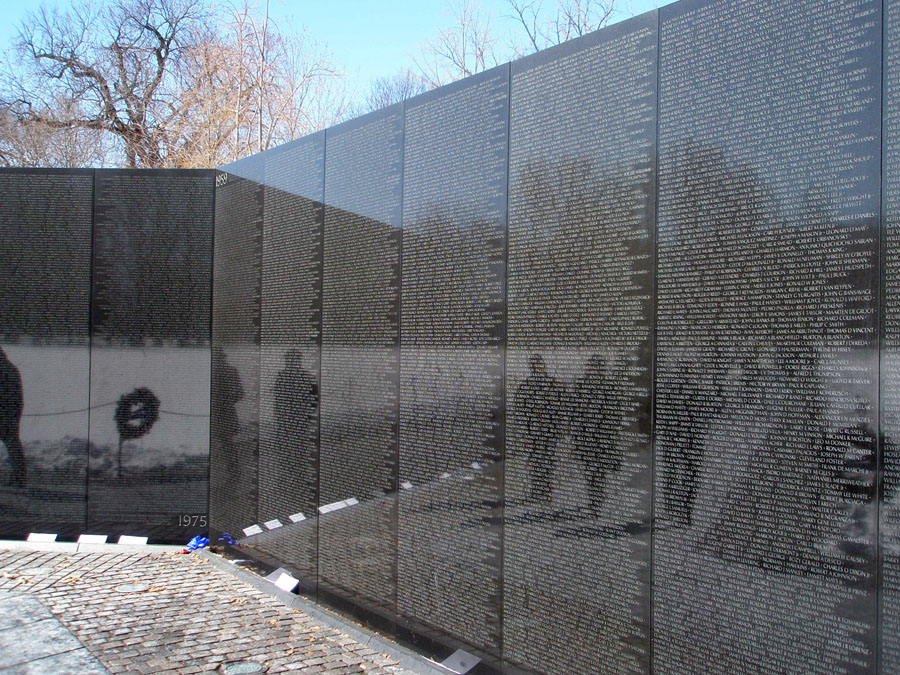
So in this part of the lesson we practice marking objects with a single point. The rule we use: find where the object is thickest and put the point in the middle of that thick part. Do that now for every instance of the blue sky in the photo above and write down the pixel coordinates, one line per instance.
(367, 39)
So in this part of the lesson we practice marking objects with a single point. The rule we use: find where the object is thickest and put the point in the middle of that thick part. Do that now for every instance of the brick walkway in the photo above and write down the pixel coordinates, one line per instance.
(182, 615)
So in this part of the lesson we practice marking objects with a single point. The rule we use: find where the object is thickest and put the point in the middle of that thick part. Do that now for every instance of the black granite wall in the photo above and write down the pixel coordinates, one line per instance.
(597, 359)
(104, 387)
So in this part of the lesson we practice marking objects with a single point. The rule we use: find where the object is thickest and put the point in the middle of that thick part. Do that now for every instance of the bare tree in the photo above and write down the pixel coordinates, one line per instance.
(253, 84)
(471, 44)
(386, 91)
(466, 47)
(168, 82)
(565, 20)
(302, 90)
(32, 144)
(115, 66)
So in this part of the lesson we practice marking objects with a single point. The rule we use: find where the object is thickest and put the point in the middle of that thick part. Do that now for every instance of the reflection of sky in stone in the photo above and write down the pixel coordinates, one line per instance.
(364, 166)
(296, 167)
(251, 168)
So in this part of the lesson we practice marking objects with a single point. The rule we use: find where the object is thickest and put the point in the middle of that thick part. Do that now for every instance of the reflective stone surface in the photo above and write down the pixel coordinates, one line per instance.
(889, 601)
(635, 430)
(361, 359)
(150, 356)
(106, 302)
(576, 550)
(451, 369)
(291, 306)
(234, 401)
(766, 359)
(45, 291)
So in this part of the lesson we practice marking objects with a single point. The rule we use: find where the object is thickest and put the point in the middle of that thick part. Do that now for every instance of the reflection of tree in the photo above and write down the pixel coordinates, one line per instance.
(452, 290)
(153, 256)
(751, 301)
(712, 208)
(592, 226)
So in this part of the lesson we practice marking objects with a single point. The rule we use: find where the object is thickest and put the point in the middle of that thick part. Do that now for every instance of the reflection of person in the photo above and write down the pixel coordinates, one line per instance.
(595, 427)
(682, 457)
(296, 398)
(538, 406)
(11, 403)
(228, 392)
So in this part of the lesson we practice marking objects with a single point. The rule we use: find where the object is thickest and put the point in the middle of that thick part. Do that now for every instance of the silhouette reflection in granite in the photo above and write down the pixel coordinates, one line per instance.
(11, 403)
(539, 400)
(595, 428)
(296, 399)
(229, 392)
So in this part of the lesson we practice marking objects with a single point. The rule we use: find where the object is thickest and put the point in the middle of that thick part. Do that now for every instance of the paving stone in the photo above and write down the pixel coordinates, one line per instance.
(191, 618)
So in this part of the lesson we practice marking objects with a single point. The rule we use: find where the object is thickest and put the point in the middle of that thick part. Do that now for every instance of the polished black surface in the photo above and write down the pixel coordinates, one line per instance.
(361, 359)
(451, 369)
(766, 352)
(636, 430)
(105, 336)
(889, 599)
(234, 401)
(289, 355)
(45, 290)
(576, 550)
(150, 357)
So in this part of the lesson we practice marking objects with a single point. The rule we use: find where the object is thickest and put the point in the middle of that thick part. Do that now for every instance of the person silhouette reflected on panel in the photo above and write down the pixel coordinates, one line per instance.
(228, 392)
(296, 400)
(595, 430)
(11, 404)
(538, 402)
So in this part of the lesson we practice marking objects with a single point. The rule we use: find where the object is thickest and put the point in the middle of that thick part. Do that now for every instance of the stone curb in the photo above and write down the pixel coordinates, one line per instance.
(72, 547)
(407, 658)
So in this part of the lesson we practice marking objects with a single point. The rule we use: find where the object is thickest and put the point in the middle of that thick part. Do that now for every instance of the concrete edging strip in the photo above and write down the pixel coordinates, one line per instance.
(72, 547)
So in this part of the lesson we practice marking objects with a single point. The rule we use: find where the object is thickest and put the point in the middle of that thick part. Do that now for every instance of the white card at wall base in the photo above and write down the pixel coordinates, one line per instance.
(287, 583)
(328, 508)
(406, 486)
(353, 501)
(476, 465)
(273, 524)
(253, 529)
(92, 539)
(126, 540)
(41, 537)
(297, 517)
